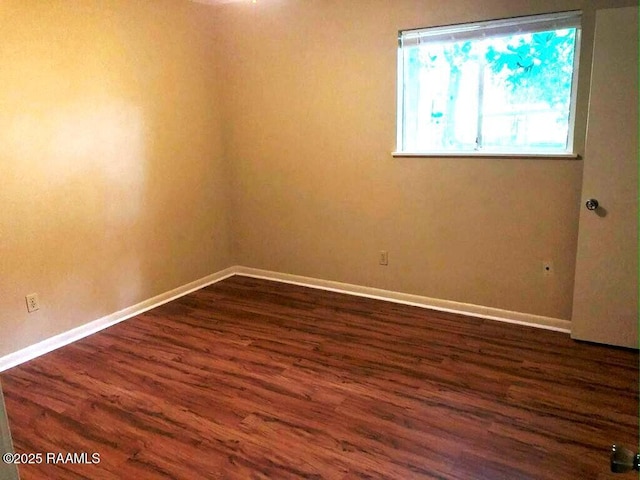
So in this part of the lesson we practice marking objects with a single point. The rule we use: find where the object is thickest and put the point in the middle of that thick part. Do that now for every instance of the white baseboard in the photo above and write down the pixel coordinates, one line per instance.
(518, 318)
(70, 336)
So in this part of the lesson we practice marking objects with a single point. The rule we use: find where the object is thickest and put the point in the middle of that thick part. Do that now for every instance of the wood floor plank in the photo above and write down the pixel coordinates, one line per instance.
(251, 379)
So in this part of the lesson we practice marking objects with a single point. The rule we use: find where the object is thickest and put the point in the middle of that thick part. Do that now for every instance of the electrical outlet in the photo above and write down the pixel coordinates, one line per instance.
(384, 257)
(32, 302)
(547, 267)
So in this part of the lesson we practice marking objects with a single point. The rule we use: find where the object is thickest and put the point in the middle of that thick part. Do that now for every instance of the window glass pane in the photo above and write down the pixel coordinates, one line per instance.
(440, 96)
(527, 91)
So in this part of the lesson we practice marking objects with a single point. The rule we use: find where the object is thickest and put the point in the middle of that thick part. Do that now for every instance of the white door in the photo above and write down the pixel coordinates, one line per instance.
(605, 303)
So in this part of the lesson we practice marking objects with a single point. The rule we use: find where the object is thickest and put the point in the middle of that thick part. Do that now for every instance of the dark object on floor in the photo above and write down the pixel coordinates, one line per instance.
(623, 460)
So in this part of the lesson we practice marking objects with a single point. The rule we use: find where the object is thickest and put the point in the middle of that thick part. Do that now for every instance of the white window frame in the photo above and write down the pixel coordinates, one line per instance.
(477, 30)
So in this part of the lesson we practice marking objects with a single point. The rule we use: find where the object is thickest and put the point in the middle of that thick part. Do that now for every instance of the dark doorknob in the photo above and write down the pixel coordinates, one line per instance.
(592, 204)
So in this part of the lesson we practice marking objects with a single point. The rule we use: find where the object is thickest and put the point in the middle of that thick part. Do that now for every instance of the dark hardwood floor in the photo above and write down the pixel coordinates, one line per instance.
(250, 379)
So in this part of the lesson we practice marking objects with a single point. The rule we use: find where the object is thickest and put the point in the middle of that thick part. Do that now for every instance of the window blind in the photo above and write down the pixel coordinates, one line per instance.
(492, 28)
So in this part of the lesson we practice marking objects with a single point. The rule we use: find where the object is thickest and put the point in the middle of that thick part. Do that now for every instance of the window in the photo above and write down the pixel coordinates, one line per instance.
(497, 87)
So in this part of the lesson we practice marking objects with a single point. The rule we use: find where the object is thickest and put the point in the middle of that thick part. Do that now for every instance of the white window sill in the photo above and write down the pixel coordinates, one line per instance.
(563, 156)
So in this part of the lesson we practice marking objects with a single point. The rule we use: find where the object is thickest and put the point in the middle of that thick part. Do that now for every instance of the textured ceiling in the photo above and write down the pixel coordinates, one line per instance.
(219, 2)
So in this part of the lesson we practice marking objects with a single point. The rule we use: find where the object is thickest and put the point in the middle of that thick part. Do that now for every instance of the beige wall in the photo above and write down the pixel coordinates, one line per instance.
(310, 121)
(148, 143)
(112, 184)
